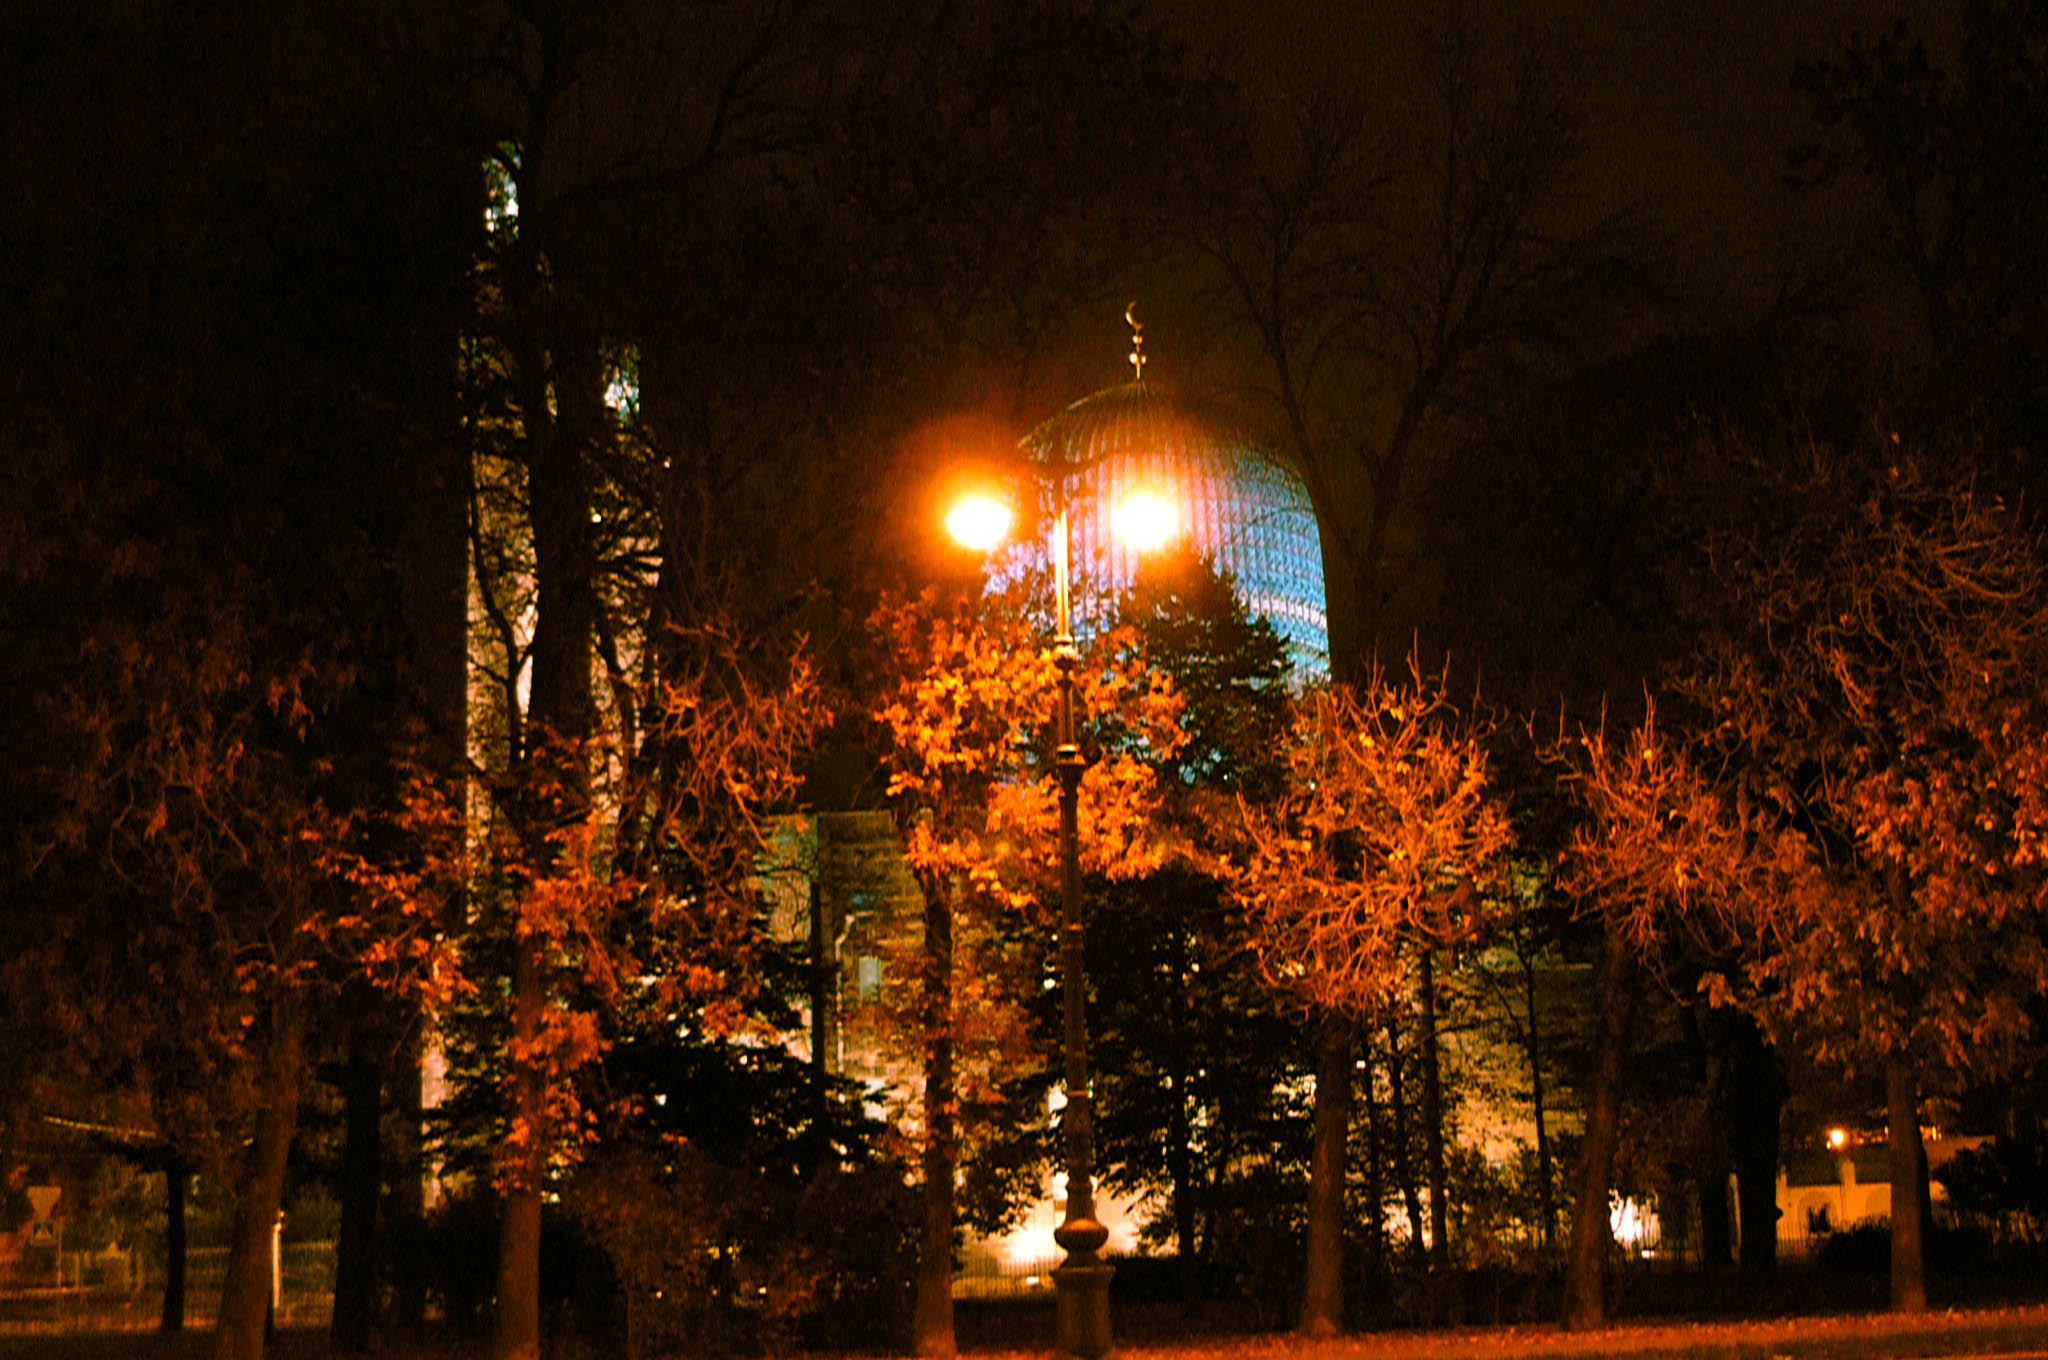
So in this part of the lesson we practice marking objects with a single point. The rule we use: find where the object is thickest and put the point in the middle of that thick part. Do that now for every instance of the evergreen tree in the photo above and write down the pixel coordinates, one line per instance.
(1195, 1067)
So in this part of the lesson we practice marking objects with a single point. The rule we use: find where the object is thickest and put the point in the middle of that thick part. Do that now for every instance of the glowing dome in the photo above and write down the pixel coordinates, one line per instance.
(1237, 504)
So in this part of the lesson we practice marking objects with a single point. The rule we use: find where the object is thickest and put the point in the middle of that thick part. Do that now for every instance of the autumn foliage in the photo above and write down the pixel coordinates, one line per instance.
(1846, 835)
(1386, 840)
(966, 716)
(653, 896)
(966, 720)
(1884, 700)
(969, 718)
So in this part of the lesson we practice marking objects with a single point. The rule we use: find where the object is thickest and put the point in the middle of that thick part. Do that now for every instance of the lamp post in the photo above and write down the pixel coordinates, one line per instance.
(1081, 1281)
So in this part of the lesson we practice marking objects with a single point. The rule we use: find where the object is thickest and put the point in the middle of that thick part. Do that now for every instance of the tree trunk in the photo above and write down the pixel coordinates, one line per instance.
(561, 384)
(1182, 1170)
(516, 1335)
(1585, 1281)
(1322, 1301)
(361, 1176)
(1351, 646)
(245, 1293)
(176, 1177)
(1404, 1168)
(932, 1321)
(433, 576)
(1546, 1172)
(824, 982)
(409, 1181)
(1710, 1043)
(824, 1014)
(1905, 1158)
(1717, 1227)
(1375, 1173)
(1180, 1150)
(1757, 1098)
(1433, 1121)
(1756, 1213)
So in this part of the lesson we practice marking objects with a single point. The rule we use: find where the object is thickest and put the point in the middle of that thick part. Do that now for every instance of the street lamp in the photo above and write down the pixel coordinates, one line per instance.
(1081, 1282)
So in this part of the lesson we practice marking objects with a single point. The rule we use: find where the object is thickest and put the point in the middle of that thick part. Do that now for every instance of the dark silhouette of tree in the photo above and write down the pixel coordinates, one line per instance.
(1860, 861)
(605, 117)
(719, 1174)
(1955, 184)
(226, 555)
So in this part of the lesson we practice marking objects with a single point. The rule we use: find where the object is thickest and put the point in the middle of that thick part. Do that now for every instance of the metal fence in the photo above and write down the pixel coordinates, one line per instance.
(986, 1275)
(123, 1290)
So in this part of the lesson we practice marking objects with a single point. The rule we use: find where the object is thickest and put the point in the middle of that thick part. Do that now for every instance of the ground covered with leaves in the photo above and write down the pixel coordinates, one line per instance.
(2005, 1332)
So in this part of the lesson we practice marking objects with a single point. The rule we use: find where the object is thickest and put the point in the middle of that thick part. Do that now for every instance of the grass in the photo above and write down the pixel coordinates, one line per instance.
(2011, 1332)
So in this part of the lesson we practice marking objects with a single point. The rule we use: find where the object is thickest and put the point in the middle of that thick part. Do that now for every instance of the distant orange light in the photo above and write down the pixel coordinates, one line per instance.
(1145, 520)
(1838, 1139)
(978, 522)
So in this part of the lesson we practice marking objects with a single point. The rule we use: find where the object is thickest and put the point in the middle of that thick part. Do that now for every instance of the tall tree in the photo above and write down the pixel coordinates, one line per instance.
(1520, 995)
(968, 700)
(1398, 265)
(1395, 269)
(608, 115)
(212, 551)
(1663, 864)
(1386, 843)
(1870, 837)
(1880, 696)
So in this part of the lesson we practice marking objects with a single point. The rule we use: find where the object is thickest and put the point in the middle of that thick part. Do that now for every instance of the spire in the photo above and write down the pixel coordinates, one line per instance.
(1137, 342)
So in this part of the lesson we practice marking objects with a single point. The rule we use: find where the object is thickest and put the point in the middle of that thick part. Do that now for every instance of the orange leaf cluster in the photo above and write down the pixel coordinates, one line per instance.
(966, 717)
(967, 722)
(1386, 841)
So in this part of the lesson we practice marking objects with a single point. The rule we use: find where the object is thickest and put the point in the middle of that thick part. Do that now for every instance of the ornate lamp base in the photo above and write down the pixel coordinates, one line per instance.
(1083, 1295)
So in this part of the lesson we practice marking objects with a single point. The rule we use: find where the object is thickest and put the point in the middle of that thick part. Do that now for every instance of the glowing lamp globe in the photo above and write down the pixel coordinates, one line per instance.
(978, 522)
(1144, 520)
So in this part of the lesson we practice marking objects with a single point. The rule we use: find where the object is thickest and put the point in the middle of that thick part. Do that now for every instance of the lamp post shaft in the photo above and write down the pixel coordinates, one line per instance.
(1081, 1282)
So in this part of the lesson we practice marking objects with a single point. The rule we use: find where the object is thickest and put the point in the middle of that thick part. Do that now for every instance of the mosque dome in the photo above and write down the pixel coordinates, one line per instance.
(1238, 504)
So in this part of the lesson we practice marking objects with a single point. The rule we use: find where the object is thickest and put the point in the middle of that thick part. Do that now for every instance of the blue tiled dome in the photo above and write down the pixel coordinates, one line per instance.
(1238, 503)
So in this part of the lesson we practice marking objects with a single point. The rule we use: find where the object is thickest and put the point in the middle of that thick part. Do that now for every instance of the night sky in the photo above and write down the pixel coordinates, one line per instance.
(1689, 102)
